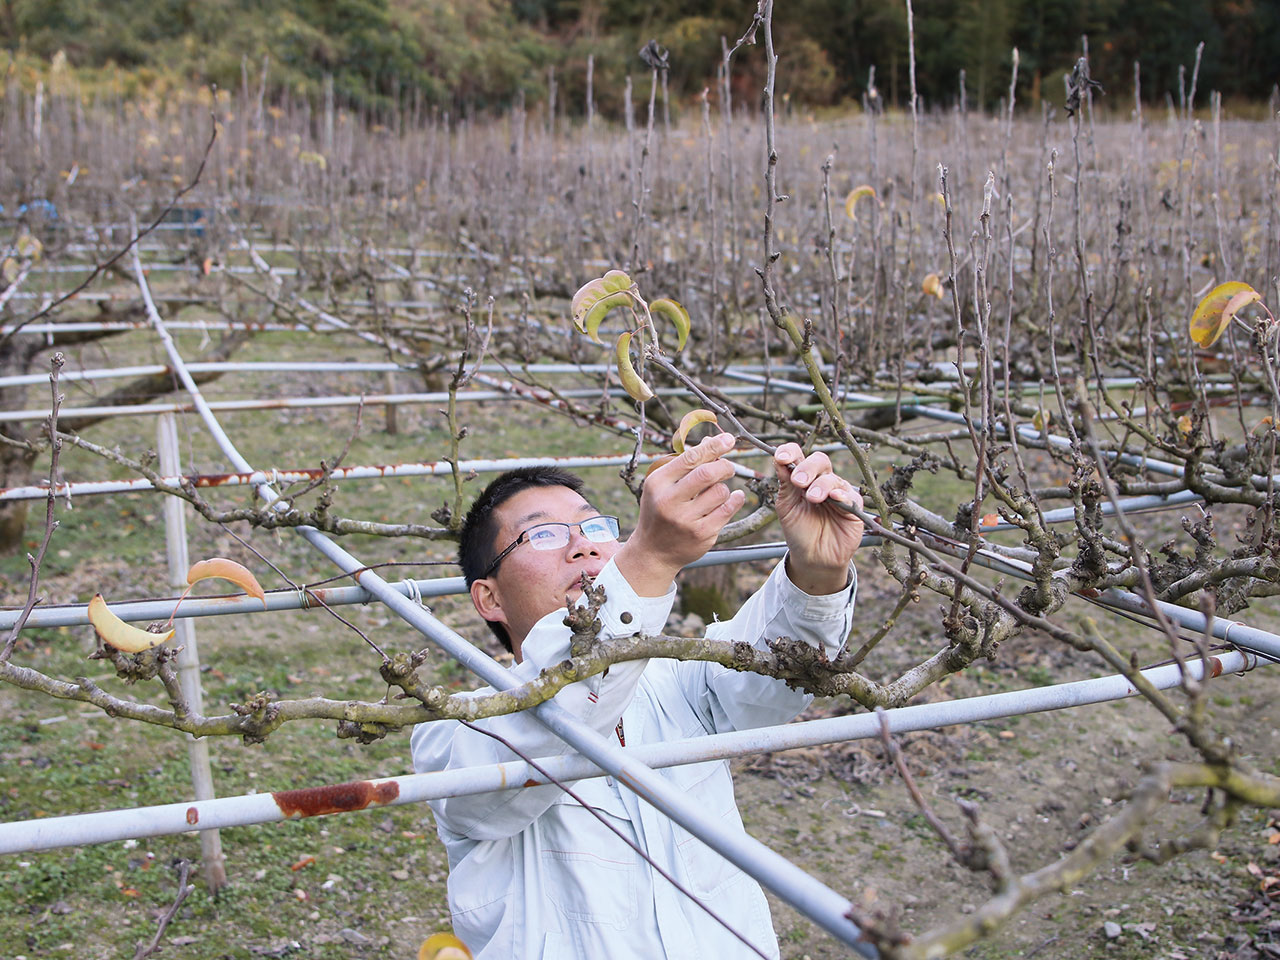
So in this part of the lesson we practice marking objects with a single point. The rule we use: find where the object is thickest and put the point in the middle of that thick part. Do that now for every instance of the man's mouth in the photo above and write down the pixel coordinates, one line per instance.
(590, 573)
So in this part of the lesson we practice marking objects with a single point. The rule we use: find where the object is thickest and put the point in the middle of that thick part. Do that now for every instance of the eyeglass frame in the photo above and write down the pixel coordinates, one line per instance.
(524, 538)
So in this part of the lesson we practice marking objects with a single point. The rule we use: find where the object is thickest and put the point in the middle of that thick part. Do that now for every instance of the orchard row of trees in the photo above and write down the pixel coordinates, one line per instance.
(484, 54)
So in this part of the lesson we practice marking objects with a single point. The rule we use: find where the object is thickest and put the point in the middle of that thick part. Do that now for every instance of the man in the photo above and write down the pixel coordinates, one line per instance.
(532, 873)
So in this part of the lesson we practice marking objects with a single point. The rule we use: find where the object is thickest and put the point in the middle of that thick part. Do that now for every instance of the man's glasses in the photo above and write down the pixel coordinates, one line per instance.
(555, 536)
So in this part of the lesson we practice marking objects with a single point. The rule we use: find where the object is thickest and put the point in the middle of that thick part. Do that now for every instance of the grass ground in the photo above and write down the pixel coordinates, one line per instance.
(372, 884)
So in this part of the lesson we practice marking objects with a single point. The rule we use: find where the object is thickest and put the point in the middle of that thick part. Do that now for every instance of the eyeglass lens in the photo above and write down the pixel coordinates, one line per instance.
(551, 536)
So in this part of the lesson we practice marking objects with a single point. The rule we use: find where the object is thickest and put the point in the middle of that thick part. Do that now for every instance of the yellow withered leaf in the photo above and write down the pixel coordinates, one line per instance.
(932, 286)
(1041, 420)
(856, 194)
(29, 247)
(224, 569)
(1238, 303)
(596, 314)
(592, 292)
(677, 314)
(1184, 426)
(631, 382)
(121, 635)
(687, 423)
(616, 280)
(1215, 312)
(443, 946)
(611, 282)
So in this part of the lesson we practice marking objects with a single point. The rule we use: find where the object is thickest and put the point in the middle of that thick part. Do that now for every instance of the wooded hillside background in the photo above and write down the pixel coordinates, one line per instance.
(483, 54)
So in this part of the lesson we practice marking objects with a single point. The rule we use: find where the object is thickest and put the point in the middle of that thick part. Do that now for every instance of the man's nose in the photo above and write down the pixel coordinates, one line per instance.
(580, 546)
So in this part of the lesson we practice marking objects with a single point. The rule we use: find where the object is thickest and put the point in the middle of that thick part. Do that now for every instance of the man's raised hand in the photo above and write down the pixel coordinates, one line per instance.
(684, 506)
(821, 537)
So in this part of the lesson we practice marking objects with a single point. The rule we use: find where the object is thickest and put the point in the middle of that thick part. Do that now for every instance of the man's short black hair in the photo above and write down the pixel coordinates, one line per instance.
(476, 548)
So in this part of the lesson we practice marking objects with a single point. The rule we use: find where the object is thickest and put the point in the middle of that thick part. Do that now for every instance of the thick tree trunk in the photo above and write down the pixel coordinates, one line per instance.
(710, 592)
(16, 354)
(15, 470)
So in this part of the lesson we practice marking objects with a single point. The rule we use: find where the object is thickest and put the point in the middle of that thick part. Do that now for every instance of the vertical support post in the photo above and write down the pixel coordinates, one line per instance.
(328, 117)
(390, 408)
(327, 143)
(37, 121)
(591, 115)
(175, 536)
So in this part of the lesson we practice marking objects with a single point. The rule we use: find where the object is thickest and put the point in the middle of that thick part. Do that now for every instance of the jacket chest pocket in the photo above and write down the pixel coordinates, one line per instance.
(588, 873)
(710, 786)
(589, 889)
(708, 872)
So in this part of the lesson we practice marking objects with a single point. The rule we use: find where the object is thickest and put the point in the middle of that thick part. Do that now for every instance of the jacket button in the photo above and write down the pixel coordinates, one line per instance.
(626, 617)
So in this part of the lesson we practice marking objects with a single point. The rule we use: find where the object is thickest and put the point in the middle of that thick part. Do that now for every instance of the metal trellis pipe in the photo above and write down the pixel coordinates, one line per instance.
(65, 615)
(426, 468)
(292, 403)
(164, 819)
(123, 326)
(278, 366)
(1231, 631)
(139, 611)
(1228, 631)
(288, 366)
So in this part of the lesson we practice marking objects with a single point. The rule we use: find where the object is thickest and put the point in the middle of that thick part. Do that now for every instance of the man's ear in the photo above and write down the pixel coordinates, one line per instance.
(485, 598)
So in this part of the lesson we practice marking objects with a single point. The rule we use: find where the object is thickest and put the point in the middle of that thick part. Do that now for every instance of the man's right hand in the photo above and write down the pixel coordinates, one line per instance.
(683, 508)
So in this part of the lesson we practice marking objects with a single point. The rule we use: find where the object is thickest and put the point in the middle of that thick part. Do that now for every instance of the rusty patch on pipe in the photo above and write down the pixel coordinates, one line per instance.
(335, 798)
(215, 479)
(531, 783)
(193, 816)
(1215, 667)
(321, 595)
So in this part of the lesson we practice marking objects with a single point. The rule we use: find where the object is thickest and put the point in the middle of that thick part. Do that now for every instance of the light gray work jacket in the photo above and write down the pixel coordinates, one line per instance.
(533, 875)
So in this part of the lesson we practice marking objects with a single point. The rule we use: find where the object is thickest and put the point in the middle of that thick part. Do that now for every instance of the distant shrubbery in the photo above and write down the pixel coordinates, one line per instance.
(480, 54)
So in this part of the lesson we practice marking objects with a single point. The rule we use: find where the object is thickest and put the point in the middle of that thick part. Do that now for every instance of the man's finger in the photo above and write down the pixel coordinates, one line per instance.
(724, 513)
(707, 450)
(713, 498)
(819, 489)
(704, 475)
(788, 454)
(810, 468)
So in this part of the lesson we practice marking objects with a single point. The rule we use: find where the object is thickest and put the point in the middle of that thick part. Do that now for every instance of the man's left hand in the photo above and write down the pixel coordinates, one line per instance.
(821, 536)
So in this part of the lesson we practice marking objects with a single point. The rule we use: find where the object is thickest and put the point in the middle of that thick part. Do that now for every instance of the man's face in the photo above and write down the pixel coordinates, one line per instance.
(530, 583)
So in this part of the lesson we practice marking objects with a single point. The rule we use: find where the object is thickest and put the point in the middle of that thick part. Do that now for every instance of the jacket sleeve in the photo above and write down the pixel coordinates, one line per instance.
(727, 699)
(598, 701)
